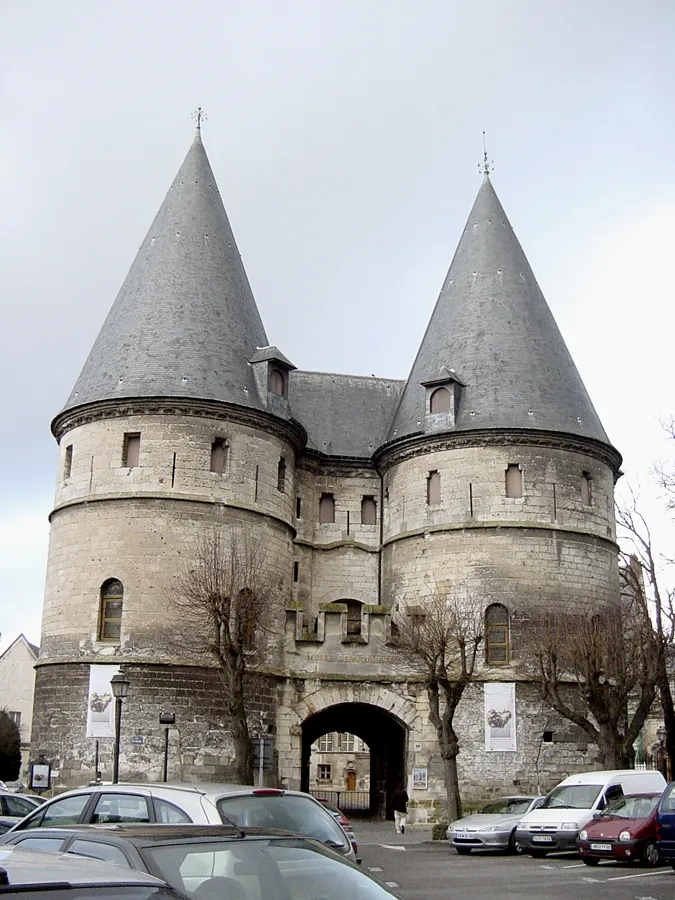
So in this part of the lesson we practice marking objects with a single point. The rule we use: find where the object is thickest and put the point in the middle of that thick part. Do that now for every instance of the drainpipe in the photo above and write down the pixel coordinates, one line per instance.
(379, 555)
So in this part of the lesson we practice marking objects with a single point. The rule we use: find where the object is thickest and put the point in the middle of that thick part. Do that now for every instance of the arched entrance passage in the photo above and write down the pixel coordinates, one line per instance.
(385, 735)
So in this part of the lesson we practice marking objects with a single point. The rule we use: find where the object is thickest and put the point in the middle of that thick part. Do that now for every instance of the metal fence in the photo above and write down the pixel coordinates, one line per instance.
(347, 801)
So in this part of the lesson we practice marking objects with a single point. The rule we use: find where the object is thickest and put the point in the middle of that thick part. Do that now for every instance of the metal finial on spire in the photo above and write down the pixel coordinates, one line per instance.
(487, 165)
(199, 115)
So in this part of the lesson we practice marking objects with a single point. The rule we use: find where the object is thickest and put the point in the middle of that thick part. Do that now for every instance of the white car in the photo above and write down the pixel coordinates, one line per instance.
(240, 805)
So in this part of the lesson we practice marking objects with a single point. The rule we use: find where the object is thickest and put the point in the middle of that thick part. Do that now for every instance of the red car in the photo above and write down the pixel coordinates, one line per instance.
(625, 830)
(342, 819)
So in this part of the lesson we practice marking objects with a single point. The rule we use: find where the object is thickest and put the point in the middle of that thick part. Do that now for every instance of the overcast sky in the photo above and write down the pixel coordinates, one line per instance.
(345, 136)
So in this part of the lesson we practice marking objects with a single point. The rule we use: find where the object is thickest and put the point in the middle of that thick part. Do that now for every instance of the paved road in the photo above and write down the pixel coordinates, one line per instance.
(423, 870)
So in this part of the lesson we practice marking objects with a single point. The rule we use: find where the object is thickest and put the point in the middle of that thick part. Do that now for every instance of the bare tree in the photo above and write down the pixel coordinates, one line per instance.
(644, 571)
(440, 641)
(597, 669)
(229, 598)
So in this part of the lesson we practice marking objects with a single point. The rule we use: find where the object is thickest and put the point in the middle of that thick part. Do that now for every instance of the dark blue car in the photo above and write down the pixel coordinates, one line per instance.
(665, 823)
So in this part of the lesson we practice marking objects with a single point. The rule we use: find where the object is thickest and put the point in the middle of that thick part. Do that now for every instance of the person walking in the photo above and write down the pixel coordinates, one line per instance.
(399, 800)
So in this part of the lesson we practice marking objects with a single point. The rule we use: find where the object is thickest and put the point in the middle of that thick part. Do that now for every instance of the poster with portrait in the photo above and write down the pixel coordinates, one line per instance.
(100, 702)
(40, 777)
(419, 779)
(500, 716)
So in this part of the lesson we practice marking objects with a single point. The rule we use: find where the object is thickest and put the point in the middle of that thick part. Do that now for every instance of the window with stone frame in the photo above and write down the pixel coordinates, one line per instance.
(345, 742)
(281, 475)
(325, 772)
(368, 511)
(514, 481)
(220, 450)
(586, 489)
(15, 716)
(353, 616)
(276, 382)
(68, 462)
(111, 604)
(497, 650)
(326, 743)
(131, 449)
(327, 509)
(439, 402)
(433, 488)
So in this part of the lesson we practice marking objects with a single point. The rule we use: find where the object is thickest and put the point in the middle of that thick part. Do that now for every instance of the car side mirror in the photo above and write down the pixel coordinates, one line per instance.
(596, 815)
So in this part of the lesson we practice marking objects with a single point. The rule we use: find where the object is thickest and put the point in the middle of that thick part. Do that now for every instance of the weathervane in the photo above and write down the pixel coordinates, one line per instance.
(199, 115)
(487, 165)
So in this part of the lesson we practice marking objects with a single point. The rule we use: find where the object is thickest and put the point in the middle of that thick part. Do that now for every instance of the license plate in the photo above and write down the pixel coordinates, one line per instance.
(601, 846)
(462, 836)
(542, 839)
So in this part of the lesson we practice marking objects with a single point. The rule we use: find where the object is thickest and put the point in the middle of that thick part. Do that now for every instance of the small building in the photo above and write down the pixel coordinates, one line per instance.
(17, 686)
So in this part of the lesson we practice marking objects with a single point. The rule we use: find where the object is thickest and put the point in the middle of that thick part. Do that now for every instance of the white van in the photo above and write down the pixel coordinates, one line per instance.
(555, 823)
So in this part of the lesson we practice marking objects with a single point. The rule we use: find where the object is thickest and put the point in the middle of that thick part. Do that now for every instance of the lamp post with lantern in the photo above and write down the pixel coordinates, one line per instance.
(119, 684)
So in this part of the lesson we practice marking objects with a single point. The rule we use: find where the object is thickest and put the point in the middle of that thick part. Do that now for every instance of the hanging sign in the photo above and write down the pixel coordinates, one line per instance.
(100, 702)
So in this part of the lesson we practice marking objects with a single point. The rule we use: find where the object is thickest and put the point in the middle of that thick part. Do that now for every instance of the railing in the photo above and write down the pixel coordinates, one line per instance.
(347, 801)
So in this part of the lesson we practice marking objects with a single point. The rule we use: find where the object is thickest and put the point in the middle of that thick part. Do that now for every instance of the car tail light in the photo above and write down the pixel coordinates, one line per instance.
(267, 792)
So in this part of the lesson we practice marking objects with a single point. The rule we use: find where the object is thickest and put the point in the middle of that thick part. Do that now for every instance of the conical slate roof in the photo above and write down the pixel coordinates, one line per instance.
(185, 322)
(493, 327)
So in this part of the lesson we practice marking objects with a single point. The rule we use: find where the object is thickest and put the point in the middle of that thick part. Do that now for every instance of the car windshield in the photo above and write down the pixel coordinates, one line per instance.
(259, 870)
(572, 796)
(632, 807)
(508, 806)
(287, 812)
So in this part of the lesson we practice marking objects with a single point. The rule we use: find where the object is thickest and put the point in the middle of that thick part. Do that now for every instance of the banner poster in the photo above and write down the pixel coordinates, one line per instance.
(500, 716)
(100, 702)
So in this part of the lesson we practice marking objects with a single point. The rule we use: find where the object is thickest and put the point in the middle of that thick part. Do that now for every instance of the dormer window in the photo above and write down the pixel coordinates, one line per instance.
(276, 382)
(439, 401)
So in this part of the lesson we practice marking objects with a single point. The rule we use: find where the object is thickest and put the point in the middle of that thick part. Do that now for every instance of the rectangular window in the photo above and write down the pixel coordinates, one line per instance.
(326, 509)
(281, 475)
(111, 618)
(346, 742)
(326, 743)
(15, 717)
(298, 507)
(433, 488)
(131, 450)
(296, 571)
(586, 488)
(219, 454)
(325, 773)
(514, 481)
(68, 462)
(368, 511)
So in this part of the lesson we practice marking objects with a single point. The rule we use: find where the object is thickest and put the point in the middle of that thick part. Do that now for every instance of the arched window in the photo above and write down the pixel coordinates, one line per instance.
(110, 619)
(276, 382)
(497, 635)
(439, 401)
(326, 509)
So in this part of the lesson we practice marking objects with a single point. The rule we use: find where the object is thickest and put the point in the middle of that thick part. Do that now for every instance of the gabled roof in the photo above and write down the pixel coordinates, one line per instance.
(344, 415)
(21, 639)
(185, 322)
(492, 324)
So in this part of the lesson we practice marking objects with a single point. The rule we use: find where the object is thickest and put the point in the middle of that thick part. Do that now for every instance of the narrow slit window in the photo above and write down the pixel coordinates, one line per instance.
(298, 507)
(111, 603)
(440, 401)
(276, 383)
(586, 488)
(219, 453)
(433, 488)
(368, 511)
(296, 572)
(326, 509)
(497, 635)
(68, 462)
(281, 475)
(131, 451)
(514, 481)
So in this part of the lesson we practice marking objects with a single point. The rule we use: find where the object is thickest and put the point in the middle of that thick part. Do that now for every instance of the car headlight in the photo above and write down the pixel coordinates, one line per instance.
(487, 828)
(583, 834)
(569, 826)
(624, 836)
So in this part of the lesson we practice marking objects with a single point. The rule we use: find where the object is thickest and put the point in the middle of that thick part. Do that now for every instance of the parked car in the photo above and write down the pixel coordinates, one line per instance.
(168, 804)
(493, 827)
(216, 862)
(665, 825)
(28, 873)
(14, 808)
(343, 821)
(624, 830)
(570, 806)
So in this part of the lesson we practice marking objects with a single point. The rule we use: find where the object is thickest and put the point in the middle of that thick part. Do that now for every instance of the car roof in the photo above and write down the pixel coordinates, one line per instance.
(41, 867)
(145, 835)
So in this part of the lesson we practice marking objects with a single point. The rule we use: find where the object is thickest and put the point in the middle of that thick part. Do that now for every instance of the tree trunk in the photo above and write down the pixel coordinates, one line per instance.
(452, 788)
(613, 750)
(241, 739)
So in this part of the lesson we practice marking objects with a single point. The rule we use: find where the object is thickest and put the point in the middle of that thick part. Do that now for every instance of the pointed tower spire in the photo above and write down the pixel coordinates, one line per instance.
(185, 322)
(492, 324)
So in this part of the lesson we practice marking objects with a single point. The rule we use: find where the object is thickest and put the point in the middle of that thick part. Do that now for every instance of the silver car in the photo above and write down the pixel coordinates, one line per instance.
(493, 827)
(200, 804)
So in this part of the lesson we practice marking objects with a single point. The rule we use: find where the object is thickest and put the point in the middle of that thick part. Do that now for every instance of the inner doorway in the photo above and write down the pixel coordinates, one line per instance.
(386, 739)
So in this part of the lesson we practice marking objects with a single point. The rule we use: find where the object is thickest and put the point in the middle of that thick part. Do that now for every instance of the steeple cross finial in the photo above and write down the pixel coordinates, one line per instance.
(487, 165)
(199, 116)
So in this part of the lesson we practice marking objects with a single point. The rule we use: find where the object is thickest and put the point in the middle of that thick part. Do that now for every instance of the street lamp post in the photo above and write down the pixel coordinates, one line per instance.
(119, 684)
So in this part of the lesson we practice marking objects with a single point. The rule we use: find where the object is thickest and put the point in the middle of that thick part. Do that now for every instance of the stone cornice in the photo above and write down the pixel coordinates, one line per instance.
(317, 463)
(403, 449)
(335, 545)
(287, 430)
